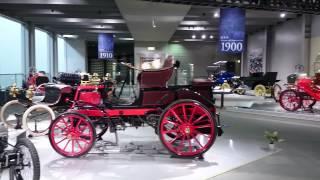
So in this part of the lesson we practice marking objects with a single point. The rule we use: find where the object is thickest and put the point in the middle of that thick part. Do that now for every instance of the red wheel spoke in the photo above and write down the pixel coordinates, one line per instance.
(72, 144)
(171, 131)
(203, 126)
(184, 113)
(83, 140)
(177, 117)
(190, 145)
(78, 123)
(192, 114)
(195, 138)
(199, 119)
(175, 139)
(181, 144)
(79, 145)
(167, 121)
(66, 145)
(61, 140)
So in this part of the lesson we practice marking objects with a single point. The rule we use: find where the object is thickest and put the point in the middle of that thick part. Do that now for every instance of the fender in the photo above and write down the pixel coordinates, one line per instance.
(186, 93)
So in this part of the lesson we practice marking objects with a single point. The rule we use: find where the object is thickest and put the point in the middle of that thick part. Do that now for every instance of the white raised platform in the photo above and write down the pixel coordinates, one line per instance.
(120, 164)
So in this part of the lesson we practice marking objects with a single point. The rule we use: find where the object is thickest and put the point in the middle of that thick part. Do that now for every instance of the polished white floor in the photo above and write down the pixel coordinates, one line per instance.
(151, 161)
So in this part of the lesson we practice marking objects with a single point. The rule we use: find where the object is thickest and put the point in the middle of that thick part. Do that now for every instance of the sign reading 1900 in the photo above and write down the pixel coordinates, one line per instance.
(232, 30)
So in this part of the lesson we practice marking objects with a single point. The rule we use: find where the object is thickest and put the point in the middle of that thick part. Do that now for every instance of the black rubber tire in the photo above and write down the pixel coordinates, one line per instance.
(184, 101)
(276, 98)
(34, 156)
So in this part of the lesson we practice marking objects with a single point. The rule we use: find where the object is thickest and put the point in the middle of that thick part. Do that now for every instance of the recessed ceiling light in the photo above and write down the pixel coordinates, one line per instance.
(176, 41)
(216, 14)
(211, 36)
(283, 15)
(151, 48)
(126, 39)
(194, 36)
(198, 28)
(203, 36)
(70, 36)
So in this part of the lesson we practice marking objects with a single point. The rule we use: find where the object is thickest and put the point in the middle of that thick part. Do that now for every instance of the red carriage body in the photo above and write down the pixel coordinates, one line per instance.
(185, 119)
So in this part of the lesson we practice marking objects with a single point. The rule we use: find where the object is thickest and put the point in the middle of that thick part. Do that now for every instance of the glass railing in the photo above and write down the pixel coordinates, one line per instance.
(7, 80)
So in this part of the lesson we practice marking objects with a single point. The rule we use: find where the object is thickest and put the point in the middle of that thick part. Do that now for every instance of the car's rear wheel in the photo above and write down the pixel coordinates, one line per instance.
(187, 128)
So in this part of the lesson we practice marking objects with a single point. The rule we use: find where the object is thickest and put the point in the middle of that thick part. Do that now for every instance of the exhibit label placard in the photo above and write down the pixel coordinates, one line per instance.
(105, 46)
(232, 30)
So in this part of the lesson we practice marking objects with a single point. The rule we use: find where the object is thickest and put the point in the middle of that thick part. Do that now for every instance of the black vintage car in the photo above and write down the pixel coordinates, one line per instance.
(261, 82)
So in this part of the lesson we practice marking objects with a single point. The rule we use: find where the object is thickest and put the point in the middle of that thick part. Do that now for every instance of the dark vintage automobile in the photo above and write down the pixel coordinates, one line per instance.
(184, 118)
(261, 82)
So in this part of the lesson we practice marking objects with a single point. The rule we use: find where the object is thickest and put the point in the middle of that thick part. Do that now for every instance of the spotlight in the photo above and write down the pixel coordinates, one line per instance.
(283, 15)
(211, 36)
(203, 36)
(194, 36)
(216, 15)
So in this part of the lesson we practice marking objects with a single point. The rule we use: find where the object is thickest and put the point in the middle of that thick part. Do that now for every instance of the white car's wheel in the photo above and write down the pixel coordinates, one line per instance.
(37, 119)
(10, 111)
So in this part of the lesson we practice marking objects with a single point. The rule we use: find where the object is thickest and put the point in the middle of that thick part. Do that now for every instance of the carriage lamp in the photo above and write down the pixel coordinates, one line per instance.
(30, 92)
(95, 79)
(14, 91)
(107, 77)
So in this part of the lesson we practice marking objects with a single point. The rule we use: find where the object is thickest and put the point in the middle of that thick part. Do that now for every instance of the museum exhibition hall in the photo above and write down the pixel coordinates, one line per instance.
(159, 89)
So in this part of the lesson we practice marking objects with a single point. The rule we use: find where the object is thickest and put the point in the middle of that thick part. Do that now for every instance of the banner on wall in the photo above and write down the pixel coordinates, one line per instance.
(255, 61)
(232, 30)
(105, 46)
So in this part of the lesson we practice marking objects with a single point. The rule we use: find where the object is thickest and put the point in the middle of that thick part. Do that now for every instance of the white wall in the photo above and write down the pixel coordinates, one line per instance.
(287, 46)
(314, 43)
(75, 55)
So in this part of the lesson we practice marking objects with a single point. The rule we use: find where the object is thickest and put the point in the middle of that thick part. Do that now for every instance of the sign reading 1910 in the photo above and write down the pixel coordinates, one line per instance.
(105, 55)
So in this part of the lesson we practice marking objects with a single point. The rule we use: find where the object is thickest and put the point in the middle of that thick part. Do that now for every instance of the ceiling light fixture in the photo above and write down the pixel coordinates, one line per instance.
(126, 39)
(211, 37)
(151, 48)
(70, 36)
(154, 23)
(283, 15)
(176, 41)
(216, 14)
(194, 36)
(203, 36)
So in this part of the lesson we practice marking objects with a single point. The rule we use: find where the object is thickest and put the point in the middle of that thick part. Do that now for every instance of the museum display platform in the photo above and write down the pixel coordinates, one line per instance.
(149, 161)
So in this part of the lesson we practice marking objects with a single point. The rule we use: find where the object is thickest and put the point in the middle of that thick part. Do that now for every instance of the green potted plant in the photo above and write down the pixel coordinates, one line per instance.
(272, 137)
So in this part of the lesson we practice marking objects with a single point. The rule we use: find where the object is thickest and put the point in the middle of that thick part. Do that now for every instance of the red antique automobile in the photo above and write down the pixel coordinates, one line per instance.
(305, 94)
(184, 118)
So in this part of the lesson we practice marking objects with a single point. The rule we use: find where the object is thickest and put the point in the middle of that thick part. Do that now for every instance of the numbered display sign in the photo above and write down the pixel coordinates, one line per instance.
(105, 46)
(232, 30)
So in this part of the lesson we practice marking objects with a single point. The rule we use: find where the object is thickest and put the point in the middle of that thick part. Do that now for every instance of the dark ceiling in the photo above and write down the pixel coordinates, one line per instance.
(201, 20)
(81, 17)
(87, 18)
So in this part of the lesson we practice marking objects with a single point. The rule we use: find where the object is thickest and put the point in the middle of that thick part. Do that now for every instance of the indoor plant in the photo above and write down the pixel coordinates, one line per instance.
(272, 137)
